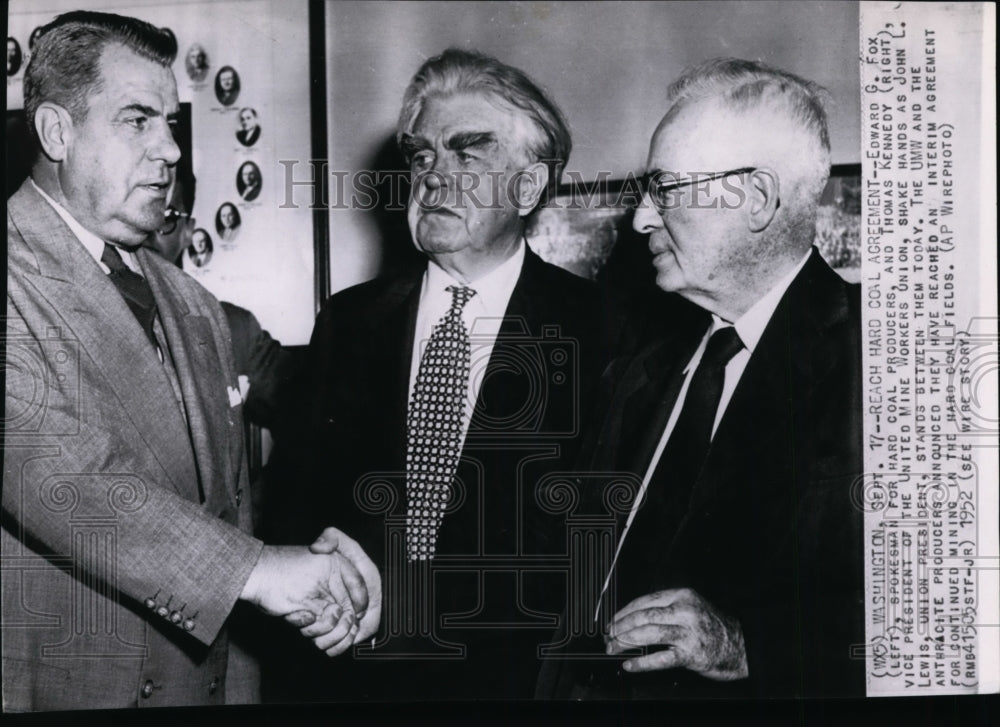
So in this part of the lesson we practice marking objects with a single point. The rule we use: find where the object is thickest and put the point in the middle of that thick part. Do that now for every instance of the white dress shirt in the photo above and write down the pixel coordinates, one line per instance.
(750, 327)
(93, 244)
(483, 315)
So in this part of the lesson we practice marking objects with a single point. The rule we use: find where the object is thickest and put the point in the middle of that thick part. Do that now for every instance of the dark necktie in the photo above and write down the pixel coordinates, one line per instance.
(671, 484)
(133, 288)
(434, 426)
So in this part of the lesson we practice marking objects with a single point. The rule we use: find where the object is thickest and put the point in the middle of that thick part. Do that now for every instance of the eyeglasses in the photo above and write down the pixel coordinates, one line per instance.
(171, 217)
(658, 186)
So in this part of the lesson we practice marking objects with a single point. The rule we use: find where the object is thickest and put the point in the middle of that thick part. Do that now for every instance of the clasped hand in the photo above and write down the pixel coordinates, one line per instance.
(331, 591)
(697, 636)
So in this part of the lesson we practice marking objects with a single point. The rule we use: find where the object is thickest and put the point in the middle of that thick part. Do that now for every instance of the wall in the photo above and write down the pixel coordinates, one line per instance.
(607, 65)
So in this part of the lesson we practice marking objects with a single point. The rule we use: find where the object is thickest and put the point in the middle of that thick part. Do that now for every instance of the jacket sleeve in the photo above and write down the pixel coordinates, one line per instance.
(71, 463)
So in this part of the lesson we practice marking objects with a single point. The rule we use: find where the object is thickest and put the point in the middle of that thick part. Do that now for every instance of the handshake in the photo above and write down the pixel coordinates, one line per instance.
(331, 591)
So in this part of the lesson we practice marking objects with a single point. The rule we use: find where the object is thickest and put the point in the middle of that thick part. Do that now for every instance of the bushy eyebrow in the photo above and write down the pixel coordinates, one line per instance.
(410, 145)
(471, 140)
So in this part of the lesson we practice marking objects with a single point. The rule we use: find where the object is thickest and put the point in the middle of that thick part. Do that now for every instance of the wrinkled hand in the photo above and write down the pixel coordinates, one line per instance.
(697, 636)
(321, 593)
(332, 539)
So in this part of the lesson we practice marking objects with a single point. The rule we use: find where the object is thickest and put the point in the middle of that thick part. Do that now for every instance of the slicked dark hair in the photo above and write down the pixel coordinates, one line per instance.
(65, 63)
(464, 71)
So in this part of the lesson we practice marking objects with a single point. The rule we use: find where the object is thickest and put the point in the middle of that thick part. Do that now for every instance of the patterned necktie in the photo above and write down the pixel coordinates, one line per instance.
(133, 288)
(434, 426)
(673, 480)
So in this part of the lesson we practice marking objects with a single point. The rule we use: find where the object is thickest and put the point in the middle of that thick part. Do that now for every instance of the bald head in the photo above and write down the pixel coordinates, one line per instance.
(738, 164)
(773, 117)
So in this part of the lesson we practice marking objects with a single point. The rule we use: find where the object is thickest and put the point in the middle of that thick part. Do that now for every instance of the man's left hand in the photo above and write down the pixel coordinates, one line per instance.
(696, 635)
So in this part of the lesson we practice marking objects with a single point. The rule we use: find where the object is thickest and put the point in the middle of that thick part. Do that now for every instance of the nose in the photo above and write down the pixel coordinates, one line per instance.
(164, 148)
(431, 186)
(646, 218)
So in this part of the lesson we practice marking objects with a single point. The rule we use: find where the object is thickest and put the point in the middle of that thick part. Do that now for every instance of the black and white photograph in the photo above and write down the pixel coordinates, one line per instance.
(196, 63)
(582, 360)
(228, 221)
(248, 181)
(227, 85)
(34, 37)
(14, 57)
(200, 251)
(249, 127)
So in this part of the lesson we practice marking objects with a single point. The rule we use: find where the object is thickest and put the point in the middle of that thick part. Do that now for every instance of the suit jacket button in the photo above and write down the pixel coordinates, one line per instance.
(150, 603)
(188, 624)
(213, 686)
(239, 497)
(162, 611)
(175, 617)
(147, 689)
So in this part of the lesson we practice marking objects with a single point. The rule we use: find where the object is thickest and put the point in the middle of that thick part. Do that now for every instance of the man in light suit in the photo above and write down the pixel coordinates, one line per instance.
(484, 145)
(125, 530)
(740, 569)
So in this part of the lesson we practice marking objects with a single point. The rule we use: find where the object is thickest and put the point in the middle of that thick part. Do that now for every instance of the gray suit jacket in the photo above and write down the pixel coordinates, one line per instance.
(125, 527)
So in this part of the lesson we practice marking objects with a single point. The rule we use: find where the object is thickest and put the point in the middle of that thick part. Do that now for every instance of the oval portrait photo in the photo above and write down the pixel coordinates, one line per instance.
(248, 181)
(227, 221)
(227, 85)
(196, 63)
(14, 57)
(33, 38)
(200, 251)
(249, 127)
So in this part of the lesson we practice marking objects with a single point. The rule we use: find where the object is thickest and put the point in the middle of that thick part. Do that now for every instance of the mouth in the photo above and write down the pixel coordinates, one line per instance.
(440, 211)
(661, 254)
(158, 189)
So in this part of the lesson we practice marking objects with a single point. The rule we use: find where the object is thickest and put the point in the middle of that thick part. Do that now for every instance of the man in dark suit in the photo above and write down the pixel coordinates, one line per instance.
(126, 529)
(439, 397)
(249, 130)
(739, 572)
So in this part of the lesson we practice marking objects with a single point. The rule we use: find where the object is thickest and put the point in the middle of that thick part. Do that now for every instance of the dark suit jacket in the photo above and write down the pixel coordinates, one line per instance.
(248, 138)
(772, 536)
(117, 572)
(547, 357)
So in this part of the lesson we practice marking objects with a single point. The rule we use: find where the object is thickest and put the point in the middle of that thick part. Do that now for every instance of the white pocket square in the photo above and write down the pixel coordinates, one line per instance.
(235, 398)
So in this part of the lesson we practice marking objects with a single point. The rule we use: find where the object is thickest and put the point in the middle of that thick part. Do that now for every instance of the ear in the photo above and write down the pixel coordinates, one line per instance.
(765, 198)
(528, 185)
(54, 127)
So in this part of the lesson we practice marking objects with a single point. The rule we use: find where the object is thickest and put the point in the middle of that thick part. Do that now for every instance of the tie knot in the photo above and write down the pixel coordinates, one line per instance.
(460, 295)
(722, 346)
(113, 259)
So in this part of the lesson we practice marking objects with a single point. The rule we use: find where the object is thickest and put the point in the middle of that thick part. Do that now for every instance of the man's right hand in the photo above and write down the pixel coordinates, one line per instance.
(320, 590)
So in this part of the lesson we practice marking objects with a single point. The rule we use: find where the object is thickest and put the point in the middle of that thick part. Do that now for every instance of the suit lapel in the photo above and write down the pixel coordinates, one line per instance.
(204, 386)
(97, 316)
(519, 322)
(393, 322)
(787, 365)
(648, 407)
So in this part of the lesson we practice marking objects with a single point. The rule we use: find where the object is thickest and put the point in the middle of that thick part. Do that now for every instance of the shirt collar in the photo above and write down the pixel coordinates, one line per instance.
(750, 326)
(493, 290)
(94, 244)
